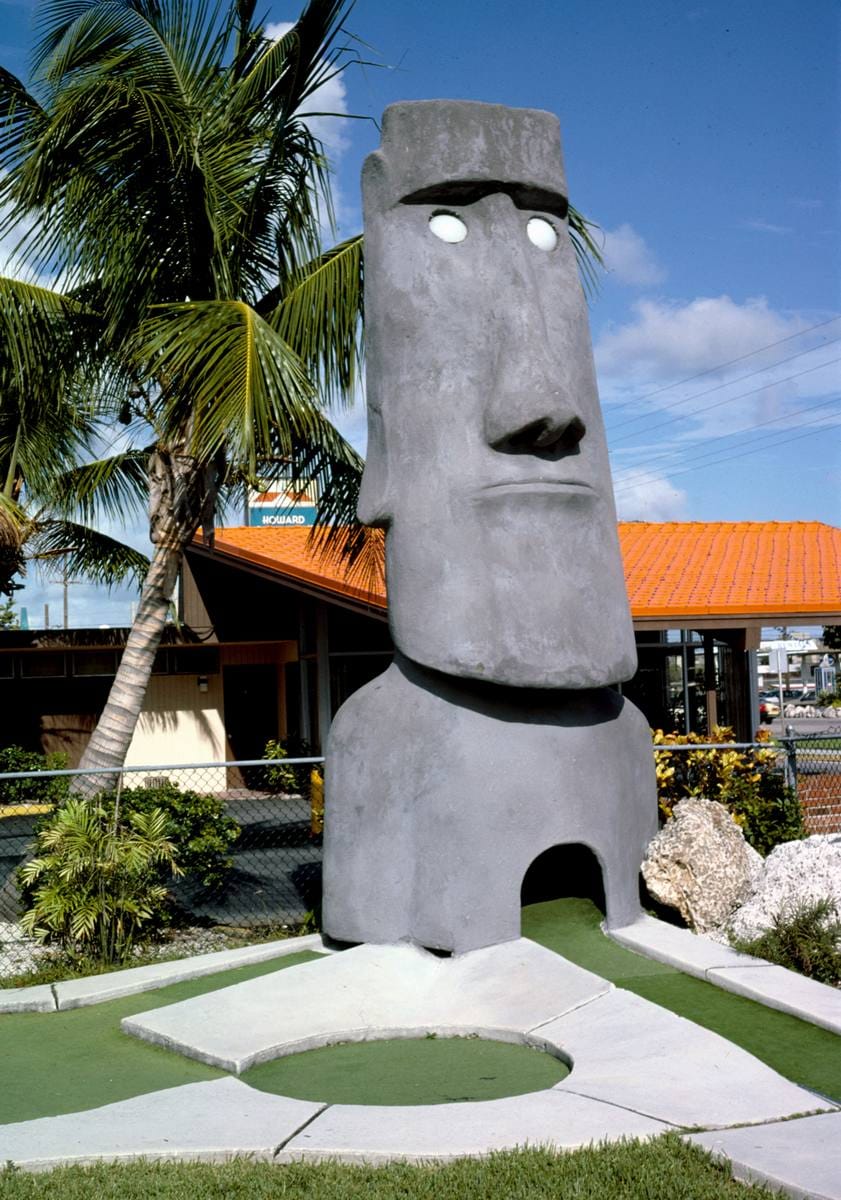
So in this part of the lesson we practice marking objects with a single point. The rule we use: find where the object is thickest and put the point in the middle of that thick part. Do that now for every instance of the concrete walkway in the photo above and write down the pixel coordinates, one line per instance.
(636, 1070)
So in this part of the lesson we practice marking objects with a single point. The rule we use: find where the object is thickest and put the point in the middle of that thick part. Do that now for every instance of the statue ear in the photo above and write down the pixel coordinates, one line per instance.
(374, 505)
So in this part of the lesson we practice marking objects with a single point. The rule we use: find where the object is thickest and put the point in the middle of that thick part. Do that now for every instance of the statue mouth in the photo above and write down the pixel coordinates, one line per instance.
(549, 487)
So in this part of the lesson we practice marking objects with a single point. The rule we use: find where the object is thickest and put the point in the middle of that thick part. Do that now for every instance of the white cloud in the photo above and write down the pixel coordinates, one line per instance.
(644, 496)
(688, 385)
(666, 341)
(331, 97)
(759, 226)
(629, 259)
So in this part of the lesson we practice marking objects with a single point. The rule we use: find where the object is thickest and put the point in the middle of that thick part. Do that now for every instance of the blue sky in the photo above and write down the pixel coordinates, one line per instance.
(704, 140)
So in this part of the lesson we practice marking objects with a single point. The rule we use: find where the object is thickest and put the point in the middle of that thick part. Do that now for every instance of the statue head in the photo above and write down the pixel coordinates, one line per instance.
(487, 461)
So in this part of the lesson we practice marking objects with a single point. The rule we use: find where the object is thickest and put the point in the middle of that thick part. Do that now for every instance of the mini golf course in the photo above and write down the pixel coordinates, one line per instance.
(70, 1061)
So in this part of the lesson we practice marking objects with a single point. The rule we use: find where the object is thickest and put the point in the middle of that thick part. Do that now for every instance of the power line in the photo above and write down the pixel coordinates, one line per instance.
(699, 464)
(787, 439)
(718, 386)
(690, 449)
(721, 366)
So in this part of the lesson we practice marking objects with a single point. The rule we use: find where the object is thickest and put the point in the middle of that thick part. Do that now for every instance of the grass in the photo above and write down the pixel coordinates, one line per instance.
(68, 1061)
(664, 1169)
(801, 1052)
(426, 1070)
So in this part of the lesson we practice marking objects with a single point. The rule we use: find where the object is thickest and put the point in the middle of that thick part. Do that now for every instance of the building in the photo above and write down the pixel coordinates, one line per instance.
(700, 594)
(274, 637)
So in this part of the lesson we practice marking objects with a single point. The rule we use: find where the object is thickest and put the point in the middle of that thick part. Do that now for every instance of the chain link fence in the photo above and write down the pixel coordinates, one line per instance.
(815, 761)
(248, 834)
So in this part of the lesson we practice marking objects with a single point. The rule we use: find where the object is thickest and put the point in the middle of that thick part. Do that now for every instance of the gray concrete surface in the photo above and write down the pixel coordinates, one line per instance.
(493, 735)
(428, 835)
(38, 998)
(636, 1069)
(784, 990)
(352, 1133)
(741, 973)
(623, 1049)
(480, 376)
(199, 1121)
(689, 952)
(94, 989)
(372, 992)
(800, 1158)
(631, 1052)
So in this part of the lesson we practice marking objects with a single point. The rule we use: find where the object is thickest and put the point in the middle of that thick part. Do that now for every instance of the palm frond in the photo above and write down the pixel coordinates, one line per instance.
(320, 317)
(228, 377)
(37, 328)
(329, 464)
(116, 487)
(20, 116)
(587, 251)
(87, 552)
(294, 66)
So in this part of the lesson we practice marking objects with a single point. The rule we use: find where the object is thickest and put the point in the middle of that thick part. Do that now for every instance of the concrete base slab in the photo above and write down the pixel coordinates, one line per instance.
(801, 1158)
(94, 989)
(352, 1133)
(784, 990)
(628, 1051)
(37, 998)
(689, 952)
(624, 1050)
(209, 1121)
(741, 973)
(372, 992)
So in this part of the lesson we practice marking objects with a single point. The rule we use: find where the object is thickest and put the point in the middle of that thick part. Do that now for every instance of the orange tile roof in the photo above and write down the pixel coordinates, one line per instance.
(721, 568)
(673, 569)
(285, 550)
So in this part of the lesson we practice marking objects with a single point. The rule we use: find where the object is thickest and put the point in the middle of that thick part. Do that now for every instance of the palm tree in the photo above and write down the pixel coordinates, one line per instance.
(45, 431)
(162, 168)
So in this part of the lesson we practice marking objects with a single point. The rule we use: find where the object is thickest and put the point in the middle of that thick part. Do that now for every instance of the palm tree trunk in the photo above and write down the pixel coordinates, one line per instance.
(182, 494)
(112, 737)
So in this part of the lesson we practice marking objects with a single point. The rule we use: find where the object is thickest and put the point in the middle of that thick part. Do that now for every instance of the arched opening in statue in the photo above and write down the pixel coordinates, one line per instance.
(566, 871)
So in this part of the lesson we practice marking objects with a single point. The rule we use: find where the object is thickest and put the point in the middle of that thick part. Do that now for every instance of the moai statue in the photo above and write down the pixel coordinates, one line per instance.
(494, 735)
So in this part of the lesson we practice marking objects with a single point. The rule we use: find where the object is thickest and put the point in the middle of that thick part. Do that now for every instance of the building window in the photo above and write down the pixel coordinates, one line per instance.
(43, 666)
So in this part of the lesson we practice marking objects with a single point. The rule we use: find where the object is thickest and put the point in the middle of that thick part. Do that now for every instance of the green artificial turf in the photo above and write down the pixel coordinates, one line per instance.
(801, 1052)
(64, 1062)
(664, 1169)
(426, 1070)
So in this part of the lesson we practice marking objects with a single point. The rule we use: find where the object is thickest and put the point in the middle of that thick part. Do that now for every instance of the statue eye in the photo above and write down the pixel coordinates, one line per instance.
(542, 233)
(447, 227)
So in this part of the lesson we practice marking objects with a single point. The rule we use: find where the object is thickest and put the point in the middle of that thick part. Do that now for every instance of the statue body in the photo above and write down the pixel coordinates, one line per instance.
(494, 735)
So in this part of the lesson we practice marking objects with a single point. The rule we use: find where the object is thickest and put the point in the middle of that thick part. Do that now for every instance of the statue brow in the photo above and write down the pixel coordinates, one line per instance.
(467, 191)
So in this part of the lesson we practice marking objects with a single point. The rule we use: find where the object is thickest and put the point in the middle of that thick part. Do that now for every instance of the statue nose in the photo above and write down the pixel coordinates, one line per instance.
(550, 436)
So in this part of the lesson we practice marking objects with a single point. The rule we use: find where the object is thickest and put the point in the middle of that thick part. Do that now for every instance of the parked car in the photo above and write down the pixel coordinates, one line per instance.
(768, 709)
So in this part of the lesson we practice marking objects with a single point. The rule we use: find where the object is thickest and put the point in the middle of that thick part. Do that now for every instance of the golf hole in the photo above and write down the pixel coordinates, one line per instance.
(428, 1069)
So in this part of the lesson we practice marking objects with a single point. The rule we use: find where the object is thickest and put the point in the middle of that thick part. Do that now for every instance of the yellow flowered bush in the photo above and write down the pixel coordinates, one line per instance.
(747, 781)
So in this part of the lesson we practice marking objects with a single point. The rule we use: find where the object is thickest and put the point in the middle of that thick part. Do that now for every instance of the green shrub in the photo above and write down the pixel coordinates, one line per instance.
(806, 938)
(31, 792)
(95, 881)
(197, 826)
(281, 778)
(748, 782)
(768, 811)
(286, 778)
